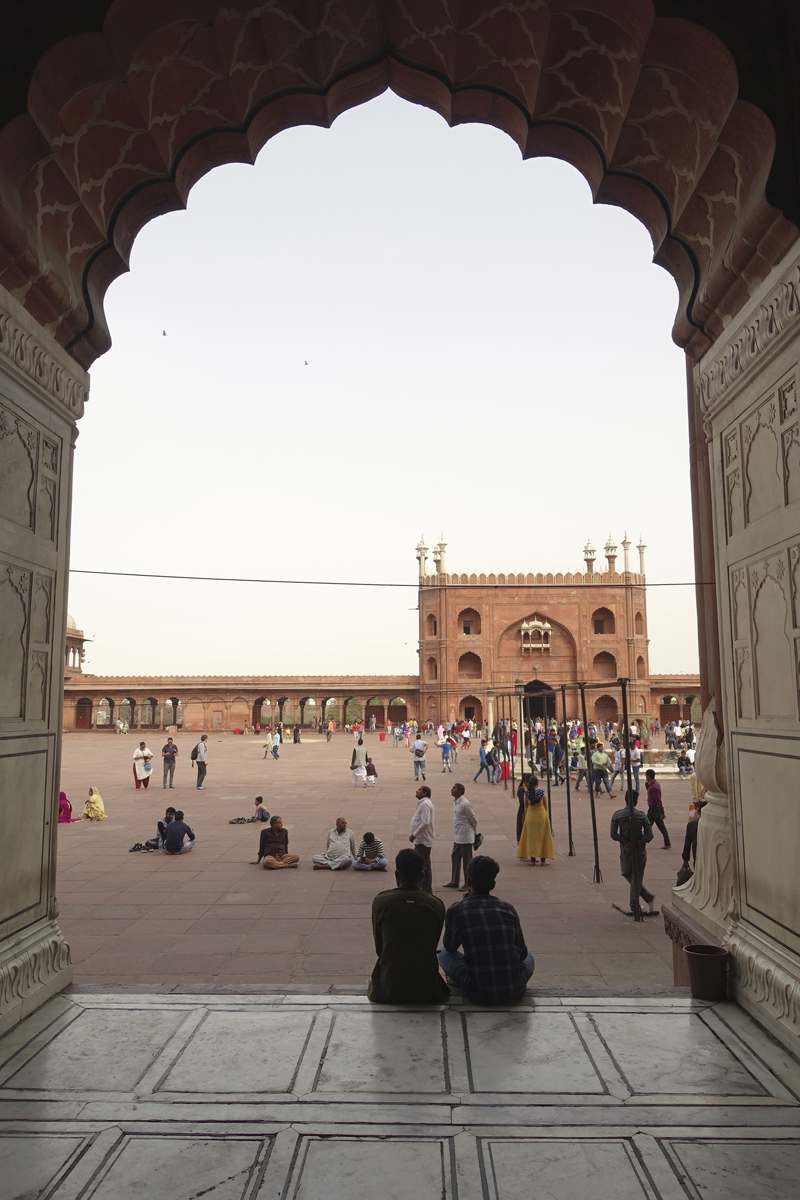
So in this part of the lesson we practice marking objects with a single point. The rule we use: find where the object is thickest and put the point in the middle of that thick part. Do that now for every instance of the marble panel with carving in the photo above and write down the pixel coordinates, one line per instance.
(23, 787)
(19, 453)
(15, 593)
(770, 821)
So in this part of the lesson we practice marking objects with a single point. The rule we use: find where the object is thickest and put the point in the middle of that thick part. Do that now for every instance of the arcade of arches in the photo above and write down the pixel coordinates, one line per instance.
(111, 110)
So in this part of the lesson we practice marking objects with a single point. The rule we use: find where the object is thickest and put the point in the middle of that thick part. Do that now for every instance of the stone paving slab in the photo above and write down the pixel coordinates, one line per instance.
(209, 919)
(115, 1097)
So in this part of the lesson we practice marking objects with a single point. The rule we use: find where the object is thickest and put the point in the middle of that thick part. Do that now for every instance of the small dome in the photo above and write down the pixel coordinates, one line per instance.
(71, 622)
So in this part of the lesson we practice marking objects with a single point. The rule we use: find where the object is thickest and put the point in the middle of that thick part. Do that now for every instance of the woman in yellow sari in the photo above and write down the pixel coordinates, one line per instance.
(536, 839)
(94, 809)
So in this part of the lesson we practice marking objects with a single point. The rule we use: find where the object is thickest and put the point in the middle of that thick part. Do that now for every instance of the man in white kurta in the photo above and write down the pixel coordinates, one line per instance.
(340, 850)
(141, 774)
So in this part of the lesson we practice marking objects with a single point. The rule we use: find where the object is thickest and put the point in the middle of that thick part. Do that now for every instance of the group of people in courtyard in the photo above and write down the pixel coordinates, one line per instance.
(483, 950)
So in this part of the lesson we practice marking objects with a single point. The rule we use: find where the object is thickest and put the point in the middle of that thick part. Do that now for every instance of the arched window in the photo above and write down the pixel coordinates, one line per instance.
(604, 666)
(641, 670)
(430, 625)
(638, 625)
(470, 666)
(605, 709)
(150, 717)
(471, 709)
(603, 622)
(432, 668)
(83, 713)
(469, 622)
(105, 714)
(127, 712)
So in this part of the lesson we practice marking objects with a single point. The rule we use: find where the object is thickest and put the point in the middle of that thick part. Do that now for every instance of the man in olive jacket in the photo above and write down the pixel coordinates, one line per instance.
(406, 925)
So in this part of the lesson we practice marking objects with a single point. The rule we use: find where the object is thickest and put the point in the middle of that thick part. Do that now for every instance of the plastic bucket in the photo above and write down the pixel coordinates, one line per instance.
(708, 971)
(383, 737)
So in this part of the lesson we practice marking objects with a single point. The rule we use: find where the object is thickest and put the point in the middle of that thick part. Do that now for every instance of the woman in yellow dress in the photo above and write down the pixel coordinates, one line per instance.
(536, 839)
(94, 809)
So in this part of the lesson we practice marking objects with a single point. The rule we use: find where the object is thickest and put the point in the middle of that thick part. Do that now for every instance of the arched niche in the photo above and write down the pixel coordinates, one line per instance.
(604, 666)
(469, 622)
(603, 622)
(470, 666)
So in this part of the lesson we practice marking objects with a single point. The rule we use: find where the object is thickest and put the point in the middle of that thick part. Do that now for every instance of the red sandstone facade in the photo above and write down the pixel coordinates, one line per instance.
(479, 636)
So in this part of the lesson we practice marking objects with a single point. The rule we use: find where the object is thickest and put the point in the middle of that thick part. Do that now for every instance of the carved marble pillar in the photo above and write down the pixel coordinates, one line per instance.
(745, 891)
(42, 392)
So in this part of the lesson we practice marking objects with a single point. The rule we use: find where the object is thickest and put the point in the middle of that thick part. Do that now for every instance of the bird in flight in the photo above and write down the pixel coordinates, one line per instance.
(305, 364)
(163, 333)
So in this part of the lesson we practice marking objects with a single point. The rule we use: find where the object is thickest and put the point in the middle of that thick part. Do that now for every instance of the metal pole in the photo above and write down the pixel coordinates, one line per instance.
(571, 851)
(598, 877)
(626, 741)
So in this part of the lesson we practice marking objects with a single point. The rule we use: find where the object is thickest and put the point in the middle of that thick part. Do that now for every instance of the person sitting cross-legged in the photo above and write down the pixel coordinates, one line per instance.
(340, 849)
(494, 965)
(273, 847)
(370, 856)
(406, 924)
(174, 834)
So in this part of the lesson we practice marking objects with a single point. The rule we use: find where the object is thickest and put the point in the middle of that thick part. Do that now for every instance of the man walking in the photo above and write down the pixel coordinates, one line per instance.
(633, 841)
(201, 761)
(464, 825)
(418, 748)
(421, 834)
(655, 806)
(484, 764)
(169, 753)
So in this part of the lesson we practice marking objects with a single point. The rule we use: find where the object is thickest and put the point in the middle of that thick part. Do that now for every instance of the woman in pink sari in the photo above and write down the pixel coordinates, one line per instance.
(65, 816)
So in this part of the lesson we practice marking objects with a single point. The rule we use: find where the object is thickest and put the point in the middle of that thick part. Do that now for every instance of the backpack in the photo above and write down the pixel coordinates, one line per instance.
(193, 755)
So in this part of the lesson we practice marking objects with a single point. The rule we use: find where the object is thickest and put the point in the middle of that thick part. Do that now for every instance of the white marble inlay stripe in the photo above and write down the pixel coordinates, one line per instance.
(31, 1162)
(179, 1168)
(740, 1170)
(566, 1170)
(241, 1052)
(106, 1051)
(391, 1169)
(528, 1053)
(673, 1054)
(400, 1053)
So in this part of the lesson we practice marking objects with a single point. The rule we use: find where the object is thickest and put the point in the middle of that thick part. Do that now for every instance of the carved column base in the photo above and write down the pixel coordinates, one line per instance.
(35, 964)
(708, 897)
(766, 982)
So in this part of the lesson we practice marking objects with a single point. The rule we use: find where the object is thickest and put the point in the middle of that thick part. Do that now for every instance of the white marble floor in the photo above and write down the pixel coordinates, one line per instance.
(111, 1097)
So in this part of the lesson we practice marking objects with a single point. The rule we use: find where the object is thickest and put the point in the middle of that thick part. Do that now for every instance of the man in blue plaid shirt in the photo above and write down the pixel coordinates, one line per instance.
(494, 965)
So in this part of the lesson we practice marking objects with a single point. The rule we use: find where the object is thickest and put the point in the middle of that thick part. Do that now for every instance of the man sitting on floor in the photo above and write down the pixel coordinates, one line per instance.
(273, 847)
(406, 923)
(339, 851)
(174, 834)
(370, 856)
(495, 964)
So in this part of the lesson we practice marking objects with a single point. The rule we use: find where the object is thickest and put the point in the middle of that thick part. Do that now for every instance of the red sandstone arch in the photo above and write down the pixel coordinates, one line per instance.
(121, 124)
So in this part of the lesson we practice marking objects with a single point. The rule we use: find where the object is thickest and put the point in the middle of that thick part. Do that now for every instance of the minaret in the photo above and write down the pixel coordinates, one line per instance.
(641, 548)
(438, 554)
(422, 556)
(589, 555)
(611, 554)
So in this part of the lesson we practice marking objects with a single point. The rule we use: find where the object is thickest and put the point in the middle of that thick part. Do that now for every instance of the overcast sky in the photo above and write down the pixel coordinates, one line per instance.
(488, 356)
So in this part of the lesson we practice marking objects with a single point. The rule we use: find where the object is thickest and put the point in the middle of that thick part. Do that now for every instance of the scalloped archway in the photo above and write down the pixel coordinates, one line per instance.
(121, 123)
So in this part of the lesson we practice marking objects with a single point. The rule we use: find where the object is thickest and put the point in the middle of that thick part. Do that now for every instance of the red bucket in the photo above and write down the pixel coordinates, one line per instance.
(708, 971)
(383, 737)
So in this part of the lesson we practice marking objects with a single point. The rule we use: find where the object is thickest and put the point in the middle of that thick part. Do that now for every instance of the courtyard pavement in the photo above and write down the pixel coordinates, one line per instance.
(209, 921)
